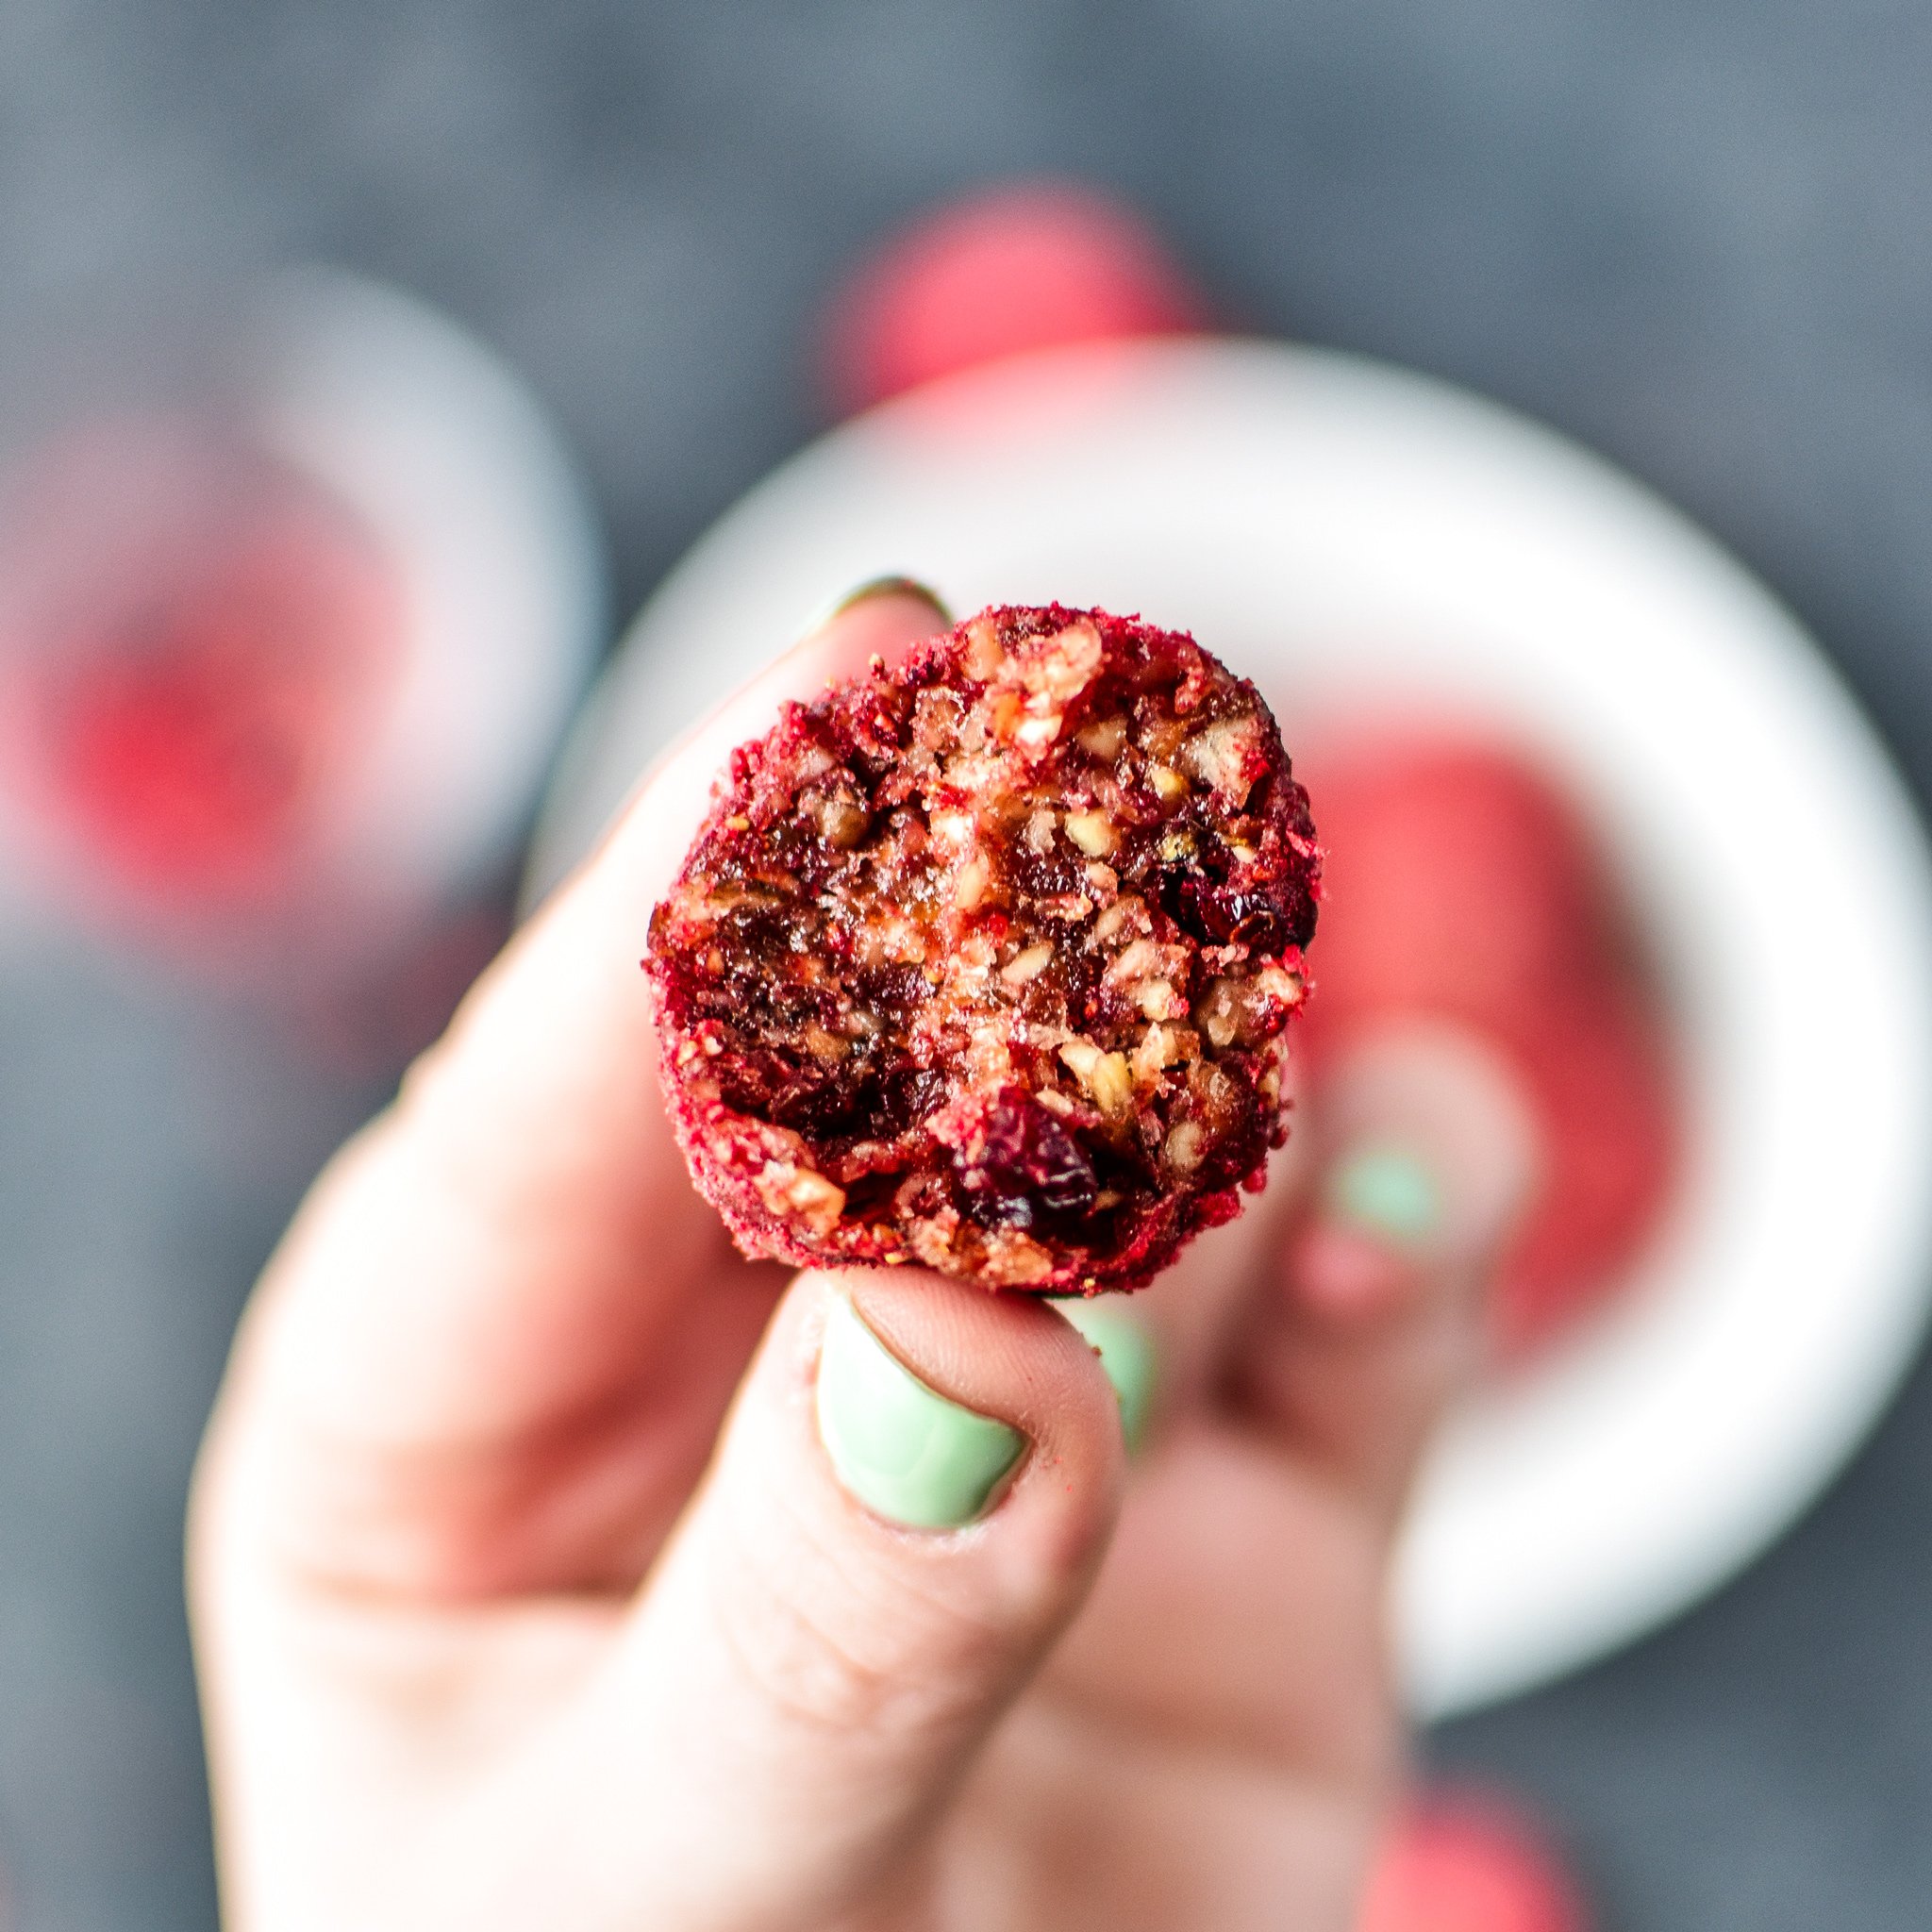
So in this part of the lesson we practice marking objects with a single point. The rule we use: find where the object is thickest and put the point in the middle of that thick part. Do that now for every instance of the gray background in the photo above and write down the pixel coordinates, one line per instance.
(1693, 232)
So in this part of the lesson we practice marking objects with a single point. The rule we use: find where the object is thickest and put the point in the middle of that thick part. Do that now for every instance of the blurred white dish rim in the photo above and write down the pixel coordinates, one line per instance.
(1344, 531)
(485, 539)
(450, 458)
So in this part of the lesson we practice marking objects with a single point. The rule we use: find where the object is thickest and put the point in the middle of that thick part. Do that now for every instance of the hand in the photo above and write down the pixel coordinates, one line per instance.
(528, 1593)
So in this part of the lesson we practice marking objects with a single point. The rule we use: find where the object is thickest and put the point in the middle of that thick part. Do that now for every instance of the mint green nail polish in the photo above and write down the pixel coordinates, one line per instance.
(887, 587)
(1387, 1192)
(902, 1449)
(1126, 1354)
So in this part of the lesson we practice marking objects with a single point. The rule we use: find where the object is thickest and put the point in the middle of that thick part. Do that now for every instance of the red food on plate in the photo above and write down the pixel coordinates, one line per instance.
(1467, 1862)
(1034, 266)
(1467, 881)
(985, 961)
(1462, 884)
(1596, 1065)
(194, 639)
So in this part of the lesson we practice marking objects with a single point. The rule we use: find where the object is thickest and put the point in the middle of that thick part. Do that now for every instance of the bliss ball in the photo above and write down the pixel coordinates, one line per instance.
(1033, 265)
(1469, 1861)
(984, 961)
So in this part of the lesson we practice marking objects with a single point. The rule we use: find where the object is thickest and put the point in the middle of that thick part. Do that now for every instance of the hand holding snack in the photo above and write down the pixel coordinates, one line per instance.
(553, 1565)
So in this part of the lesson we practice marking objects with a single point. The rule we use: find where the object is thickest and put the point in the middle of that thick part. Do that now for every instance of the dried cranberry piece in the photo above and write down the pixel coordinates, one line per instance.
(1018, 1165)
(1224, 914)
(906, 1095)
(1022, 1156)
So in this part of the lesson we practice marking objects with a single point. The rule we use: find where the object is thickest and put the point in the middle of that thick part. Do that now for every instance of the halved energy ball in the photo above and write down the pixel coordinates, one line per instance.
(984, 961)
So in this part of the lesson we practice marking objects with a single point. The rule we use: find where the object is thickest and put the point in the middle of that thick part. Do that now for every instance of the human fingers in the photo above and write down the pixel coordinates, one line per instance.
(1368, 1319)
(1263, 1515)
(503, 1319)
(1165, 1346)
(1216, 1735)
(1238, 1616)
(909, 1499)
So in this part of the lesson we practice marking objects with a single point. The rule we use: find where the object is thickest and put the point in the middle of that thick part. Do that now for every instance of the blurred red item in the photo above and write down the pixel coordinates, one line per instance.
(1461, 884)
(192, 639)
(1458, 878)
(1598, 1070)
(1470, 1862)
(1032, 265)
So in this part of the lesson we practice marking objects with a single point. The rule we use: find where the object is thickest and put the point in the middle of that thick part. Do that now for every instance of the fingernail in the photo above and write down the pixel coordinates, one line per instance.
(882, 587)
(900, 1448)
(1386, 1191)
(1126, 1354)
(1381, 1204)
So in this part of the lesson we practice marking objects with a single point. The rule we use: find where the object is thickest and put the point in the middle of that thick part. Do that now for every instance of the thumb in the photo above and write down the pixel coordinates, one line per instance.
(910, 1500)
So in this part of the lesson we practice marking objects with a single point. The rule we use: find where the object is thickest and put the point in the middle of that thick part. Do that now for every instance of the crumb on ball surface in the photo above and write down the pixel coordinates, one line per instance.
(984, 961)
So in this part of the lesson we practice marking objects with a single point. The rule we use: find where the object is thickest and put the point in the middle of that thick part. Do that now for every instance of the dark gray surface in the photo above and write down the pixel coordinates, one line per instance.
(1693, 232)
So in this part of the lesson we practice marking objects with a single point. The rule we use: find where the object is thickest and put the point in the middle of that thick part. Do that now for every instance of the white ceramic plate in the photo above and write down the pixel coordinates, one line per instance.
(1342, 530)
(449, 461)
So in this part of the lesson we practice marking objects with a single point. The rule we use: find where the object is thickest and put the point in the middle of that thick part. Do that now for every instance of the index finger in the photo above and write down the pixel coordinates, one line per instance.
(506, 1248)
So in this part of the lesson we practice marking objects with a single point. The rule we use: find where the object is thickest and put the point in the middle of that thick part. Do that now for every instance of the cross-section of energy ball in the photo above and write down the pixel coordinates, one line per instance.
(984, 961)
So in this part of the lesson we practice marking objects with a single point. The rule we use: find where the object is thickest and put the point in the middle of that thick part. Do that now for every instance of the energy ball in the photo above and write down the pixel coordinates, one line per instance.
(984, 961)
(1021, 267)
(1462, 1860)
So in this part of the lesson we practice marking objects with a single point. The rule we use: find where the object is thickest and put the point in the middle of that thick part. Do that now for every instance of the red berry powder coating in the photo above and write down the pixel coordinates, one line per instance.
(985, 961)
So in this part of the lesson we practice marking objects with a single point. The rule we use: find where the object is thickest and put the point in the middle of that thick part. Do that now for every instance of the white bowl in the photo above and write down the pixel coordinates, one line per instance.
(448, 463)
(1342, 530)
(450, 460)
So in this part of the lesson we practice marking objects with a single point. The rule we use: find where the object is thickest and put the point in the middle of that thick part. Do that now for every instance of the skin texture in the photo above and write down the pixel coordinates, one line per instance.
(525, 1592)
